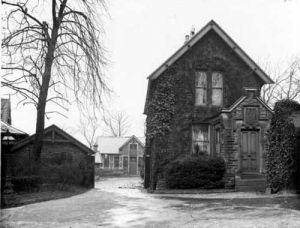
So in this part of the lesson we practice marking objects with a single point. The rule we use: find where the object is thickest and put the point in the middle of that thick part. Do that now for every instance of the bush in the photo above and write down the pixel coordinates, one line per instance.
(195, 172)
(26, 183)
(280, 156)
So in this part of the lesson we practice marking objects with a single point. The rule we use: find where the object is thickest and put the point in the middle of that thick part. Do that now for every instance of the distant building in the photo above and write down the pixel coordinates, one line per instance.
(120, 155)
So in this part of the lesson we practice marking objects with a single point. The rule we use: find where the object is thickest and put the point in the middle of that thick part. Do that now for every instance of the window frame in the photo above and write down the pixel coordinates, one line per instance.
(204, 88)
(133, 144)
(207, 142)
(208, 88)
(217, 88)
(117, 163)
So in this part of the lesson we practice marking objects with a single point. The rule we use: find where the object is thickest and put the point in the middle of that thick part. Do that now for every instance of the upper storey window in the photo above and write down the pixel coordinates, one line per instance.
(217, 89)
(201, 88)
(209, 88)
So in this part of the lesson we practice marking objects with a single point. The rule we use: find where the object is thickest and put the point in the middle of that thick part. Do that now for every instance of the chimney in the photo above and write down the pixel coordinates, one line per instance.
(187, 37)
(95, 147)
(250, 92)
(192, 33)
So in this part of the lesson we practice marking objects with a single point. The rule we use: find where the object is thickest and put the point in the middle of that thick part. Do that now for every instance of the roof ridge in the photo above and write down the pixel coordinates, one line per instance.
(211, 25)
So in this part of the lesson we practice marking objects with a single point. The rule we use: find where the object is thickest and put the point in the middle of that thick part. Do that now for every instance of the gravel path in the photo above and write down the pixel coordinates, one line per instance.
(120, 202)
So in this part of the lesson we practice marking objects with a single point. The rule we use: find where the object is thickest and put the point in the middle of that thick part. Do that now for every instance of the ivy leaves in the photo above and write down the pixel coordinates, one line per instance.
(280, 156)
(161, 108)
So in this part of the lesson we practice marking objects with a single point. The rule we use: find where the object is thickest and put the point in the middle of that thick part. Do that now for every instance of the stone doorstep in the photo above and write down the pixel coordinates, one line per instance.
(252, 183)
(192, 191)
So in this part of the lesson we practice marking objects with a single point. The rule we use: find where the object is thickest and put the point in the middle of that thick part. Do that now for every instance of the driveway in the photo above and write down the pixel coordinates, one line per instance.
(121, 202)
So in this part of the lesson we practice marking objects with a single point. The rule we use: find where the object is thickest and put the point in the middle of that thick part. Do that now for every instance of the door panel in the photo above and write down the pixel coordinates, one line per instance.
(133, 166)
(249, 151)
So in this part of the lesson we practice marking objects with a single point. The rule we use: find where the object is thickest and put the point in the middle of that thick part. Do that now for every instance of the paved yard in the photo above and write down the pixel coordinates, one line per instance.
(119, 202)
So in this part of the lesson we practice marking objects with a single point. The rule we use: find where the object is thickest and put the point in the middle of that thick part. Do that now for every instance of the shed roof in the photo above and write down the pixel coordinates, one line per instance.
(59, 131)
(11, 129)
(111, 145)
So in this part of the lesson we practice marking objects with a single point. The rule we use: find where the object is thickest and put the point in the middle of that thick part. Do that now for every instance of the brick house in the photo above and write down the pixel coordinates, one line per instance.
(6, 121)
(120, 155)
(218, 110)
(9, 136)
(63, 159)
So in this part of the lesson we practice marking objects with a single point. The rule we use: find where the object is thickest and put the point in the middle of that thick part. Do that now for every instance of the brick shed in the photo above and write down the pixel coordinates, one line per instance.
(63, 159)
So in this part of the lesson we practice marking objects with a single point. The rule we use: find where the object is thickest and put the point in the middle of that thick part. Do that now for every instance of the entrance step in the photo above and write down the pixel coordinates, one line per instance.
(250, 183)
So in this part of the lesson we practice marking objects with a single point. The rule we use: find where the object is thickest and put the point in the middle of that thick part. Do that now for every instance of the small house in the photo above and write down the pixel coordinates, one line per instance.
(120, 155)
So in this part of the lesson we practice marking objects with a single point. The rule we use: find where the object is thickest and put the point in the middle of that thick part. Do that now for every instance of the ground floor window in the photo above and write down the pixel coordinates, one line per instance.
(106, 161)
(125, 162)
(116, 161)
(200, 139)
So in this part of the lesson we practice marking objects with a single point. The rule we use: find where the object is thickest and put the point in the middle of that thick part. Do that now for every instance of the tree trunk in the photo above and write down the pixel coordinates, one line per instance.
(41, 106)
(40, 119)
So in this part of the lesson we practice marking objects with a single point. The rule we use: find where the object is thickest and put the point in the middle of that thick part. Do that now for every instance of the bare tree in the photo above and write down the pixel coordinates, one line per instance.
(52, 50)
(286, 82)
(117, 124)
(88, 127)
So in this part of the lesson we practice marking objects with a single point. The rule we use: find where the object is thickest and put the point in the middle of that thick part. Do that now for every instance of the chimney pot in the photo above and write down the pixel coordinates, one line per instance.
(192, 33)
(187, 37)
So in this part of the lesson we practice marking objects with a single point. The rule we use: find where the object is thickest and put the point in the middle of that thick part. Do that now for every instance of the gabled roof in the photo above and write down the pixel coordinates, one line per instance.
(59, 131)
(109, 144)
(241, 99)
(132, 137)
(11, 129)
(212, 25)
(112, 145)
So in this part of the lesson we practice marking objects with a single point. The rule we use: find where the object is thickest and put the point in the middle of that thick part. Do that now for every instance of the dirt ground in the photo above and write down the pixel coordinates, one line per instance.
(121, 202)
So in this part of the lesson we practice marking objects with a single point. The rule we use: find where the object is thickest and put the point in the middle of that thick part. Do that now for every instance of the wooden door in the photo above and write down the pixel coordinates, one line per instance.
(249, 151)
(133, 166)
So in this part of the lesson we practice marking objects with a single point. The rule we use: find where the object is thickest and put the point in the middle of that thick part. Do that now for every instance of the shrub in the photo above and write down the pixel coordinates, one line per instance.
(195, 172)
(280, 156)
(26, 183)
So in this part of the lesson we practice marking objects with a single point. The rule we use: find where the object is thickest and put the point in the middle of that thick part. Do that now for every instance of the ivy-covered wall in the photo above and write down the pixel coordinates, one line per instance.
(281, 157)
(170, 107)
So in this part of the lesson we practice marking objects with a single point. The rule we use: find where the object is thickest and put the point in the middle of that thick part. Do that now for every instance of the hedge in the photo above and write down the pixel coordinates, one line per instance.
(280, 156)
(195, 172)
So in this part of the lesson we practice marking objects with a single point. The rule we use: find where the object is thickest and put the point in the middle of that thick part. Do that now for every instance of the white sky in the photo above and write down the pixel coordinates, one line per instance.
(141, 34)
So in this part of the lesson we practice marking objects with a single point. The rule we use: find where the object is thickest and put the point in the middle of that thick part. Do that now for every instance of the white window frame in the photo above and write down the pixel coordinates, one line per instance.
(207, 142)
(217, 88)
(118, 162)
(199, 87)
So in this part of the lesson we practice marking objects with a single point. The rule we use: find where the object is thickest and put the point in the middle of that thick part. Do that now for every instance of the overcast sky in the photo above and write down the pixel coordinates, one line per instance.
(141, 34)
